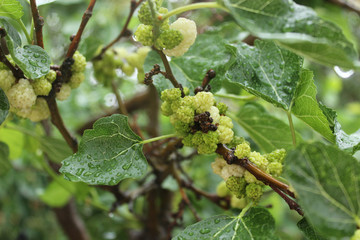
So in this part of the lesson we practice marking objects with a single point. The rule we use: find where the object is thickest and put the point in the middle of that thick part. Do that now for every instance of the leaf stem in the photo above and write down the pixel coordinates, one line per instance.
(158, 138)
(292, 129)
(193, 7)
(245, 209)
(23, 28)
(235, 97)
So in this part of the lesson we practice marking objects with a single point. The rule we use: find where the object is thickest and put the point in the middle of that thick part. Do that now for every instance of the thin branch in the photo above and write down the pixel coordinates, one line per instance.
(139, 101)
(122, 107)
(38, 23)
(169, 73)
(56, 119)
(281, 188)
(223, 202)
(124, 32)
(183, 193)
(75, 42)
(292, 204)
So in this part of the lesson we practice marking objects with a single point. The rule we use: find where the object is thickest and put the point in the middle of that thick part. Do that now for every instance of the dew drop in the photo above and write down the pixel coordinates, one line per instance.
(126, 166)
(80, 171)
(217, 221)
(66, 164)
(205, 231)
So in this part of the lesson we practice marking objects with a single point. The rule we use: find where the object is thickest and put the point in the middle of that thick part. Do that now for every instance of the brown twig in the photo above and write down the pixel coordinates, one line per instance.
(183, 193)
(223, 202)
(124, 32)
(169, 74)
(230, 158)
(56, 119)
(139, 101)
(292, 204)
(76, 40)
(71, 222)
(38, 23)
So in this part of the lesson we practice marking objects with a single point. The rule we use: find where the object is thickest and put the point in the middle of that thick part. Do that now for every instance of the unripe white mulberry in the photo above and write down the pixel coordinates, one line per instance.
(128, 69)
(51, 76)
(232, 171)
(214, 114)
(242, 150)
(226, 121)
(225, 134)
(40, 111)
(64, 92)
(22, 95)
(188, 29)
(7, 79)
(203, 101)
(218, 165)
(41, 86)
(79, 62)
(238, 203)
(76, 79)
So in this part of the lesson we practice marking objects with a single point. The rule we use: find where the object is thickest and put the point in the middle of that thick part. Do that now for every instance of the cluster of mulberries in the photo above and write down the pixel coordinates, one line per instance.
(26, 96)
(174, 39)
(240, 182)
(77, 77)
(120, 58)
(197, 119)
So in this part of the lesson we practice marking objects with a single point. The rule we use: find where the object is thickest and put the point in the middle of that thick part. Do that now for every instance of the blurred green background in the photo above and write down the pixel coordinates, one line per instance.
(24, 182)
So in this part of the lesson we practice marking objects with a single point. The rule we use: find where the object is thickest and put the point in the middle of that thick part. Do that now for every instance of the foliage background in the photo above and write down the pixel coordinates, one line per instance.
(23, 214)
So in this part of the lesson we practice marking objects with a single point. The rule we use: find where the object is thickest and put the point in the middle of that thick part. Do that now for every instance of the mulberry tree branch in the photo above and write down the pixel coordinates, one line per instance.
(279, 187)
(169, 74)
(38, 23)
(124, 32)
(76, 40)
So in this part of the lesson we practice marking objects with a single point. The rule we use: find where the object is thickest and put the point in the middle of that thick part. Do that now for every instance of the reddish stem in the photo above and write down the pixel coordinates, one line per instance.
(38, 23)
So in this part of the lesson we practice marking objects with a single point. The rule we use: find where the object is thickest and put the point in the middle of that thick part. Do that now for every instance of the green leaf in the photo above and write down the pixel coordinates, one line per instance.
(33, 60)
(55, 195)
(349, 143)
(11, 31)
(208, 52)
(11, 9)
(4, 106)
(266, 70)
(107, 154)
(267, 131)
(306, 106)
(60, 191)
(327, 182)
(308, 230)
(295, 27)
(56, 149)
(256, 224)
(14, 139)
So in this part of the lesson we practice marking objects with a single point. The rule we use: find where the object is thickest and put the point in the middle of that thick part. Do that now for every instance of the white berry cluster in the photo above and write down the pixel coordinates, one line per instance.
(174, 39)
(26, 96)
(77, 77)
(241, 182)
(197, 119)
(120, 58)
(188, 30)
